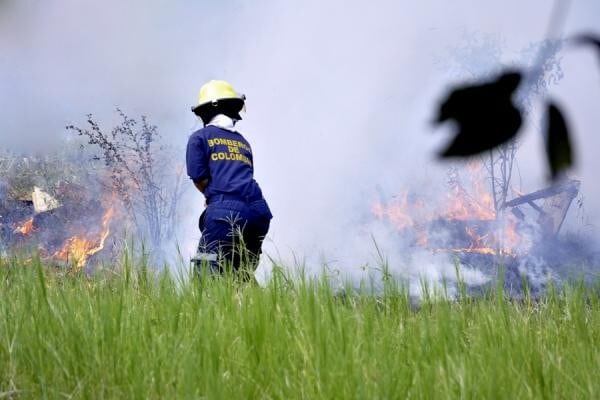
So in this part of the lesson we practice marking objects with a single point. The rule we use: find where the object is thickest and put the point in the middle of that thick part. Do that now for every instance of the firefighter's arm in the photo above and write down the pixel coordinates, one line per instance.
(197, 161)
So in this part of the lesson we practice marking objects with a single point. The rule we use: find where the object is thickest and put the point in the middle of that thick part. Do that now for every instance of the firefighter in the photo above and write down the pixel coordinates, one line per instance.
(220, 164)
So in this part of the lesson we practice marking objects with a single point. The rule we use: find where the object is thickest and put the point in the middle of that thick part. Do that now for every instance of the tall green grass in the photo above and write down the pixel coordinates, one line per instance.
(136, 335)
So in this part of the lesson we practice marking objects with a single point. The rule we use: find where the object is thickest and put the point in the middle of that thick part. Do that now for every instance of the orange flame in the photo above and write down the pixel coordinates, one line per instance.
(80, 248)
(395, 212)
(480, 250)
(478, 205)
(26, 228)
(474, 204)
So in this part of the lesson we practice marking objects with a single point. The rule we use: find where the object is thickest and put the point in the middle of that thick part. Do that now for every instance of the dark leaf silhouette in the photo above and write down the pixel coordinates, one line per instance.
(485, 114)
(588, 39)
(558, 144)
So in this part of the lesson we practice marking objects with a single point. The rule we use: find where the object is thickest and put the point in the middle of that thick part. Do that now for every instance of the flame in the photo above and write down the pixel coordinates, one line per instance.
(26, 228)
(512, 238)
(81, 248)
(481, 244)
(422, 238)
(464, 201)
(480, 250)
(462, 205)
(476, 240)
(395, 212)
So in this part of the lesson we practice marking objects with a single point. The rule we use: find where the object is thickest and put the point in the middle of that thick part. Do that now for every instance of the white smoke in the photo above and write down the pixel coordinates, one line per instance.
(340, 96)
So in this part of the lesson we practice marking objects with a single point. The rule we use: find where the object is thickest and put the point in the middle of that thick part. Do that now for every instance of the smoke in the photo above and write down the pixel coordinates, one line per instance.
(340, 96)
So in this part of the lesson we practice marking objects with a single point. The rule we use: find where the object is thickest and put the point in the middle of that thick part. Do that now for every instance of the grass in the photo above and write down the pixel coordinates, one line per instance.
(135, 335)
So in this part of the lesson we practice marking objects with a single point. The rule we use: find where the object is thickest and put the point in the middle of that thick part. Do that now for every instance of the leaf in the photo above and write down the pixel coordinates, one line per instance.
(558, 143)
(588, 39)
(485, 114)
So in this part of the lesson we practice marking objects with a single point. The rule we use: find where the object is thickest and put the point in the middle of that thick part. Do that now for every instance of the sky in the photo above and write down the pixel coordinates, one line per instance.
(340, 94)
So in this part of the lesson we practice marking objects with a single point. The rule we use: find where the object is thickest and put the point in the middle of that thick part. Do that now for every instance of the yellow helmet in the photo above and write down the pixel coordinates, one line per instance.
(214, 91)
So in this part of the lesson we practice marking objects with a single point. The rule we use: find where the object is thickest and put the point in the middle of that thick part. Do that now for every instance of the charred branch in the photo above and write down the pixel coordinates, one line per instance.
(571, 187)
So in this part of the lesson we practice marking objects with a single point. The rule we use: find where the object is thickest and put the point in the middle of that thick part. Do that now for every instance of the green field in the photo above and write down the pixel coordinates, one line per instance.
(132, 335)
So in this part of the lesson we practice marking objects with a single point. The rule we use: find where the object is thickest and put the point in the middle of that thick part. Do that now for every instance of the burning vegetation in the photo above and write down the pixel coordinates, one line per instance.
(74, 206)
(67, 234)
(468, 221)
(80, 248)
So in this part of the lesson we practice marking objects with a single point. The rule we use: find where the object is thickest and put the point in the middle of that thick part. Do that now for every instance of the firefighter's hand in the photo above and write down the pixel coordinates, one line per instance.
(201, 185)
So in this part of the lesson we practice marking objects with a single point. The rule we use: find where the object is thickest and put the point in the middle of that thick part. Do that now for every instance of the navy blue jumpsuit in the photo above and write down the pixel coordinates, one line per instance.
(236, 211)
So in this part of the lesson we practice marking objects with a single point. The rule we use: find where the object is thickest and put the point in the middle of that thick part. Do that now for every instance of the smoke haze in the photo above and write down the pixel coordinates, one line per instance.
(340, 94)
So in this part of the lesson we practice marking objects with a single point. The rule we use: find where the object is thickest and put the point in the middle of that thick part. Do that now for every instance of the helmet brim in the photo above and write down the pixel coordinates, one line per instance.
(215, 103)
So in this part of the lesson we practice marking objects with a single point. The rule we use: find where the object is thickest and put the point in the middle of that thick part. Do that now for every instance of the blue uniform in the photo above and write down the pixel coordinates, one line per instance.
(236, 210)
